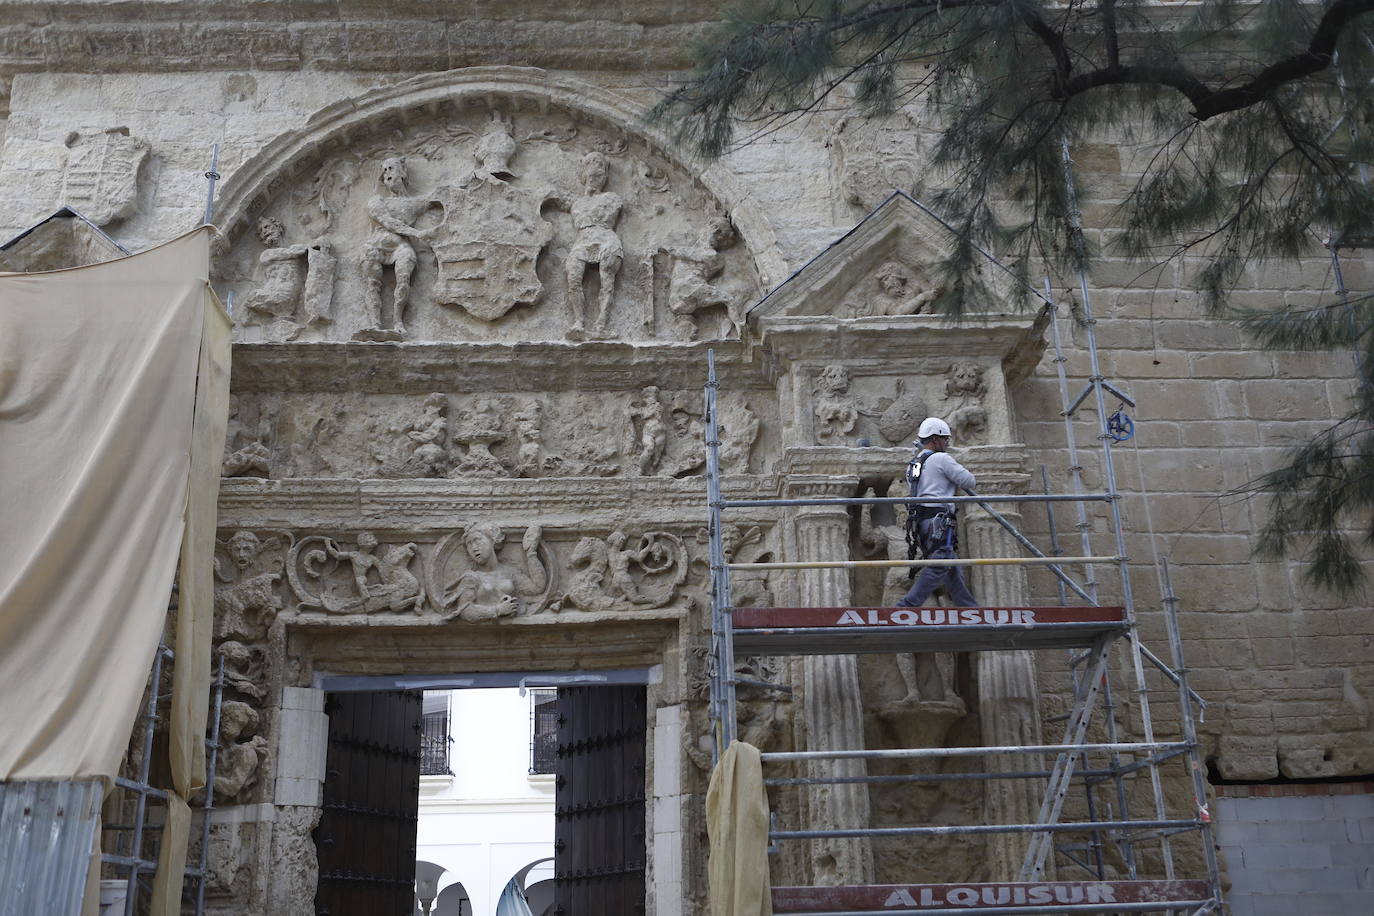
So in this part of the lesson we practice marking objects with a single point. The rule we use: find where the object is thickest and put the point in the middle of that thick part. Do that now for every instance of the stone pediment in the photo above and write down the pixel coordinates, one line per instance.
(883, 268)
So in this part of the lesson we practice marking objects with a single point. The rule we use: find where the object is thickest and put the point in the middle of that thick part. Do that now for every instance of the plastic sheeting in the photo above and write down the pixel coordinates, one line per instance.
(737, 825)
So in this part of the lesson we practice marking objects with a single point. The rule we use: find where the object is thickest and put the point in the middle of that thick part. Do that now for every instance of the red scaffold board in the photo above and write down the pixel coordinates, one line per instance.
(845, 630)
(791, 617)
(1079, 896)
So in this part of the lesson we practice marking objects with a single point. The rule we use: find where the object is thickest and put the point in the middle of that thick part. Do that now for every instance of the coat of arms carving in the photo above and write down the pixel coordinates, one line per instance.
(101, 178)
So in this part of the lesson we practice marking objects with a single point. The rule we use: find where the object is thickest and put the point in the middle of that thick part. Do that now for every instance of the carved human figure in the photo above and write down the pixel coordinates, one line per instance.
(926, 676)
(243, 669)
(648, 429)
(245, 450)
(427, 433)
(690, 438)
(489, 588)
(527, 429)
(285, 278)
(835, 410)
(242, 751)
(897, 293)
(391, 244)
(739, 428)
(245, 604)
(692, 289)
(395, 588)
(594, 216)
(494, 151)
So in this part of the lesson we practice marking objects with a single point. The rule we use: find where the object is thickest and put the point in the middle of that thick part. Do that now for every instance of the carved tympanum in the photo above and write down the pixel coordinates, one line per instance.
(485, 220)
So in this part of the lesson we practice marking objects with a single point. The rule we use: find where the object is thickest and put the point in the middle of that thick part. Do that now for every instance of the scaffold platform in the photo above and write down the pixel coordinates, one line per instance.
(868, 630)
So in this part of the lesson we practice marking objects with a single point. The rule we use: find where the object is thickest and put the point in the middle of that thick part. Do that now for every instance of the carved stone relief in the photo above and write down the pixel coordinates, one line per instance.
(848, 408)
(872, 157)
(567, 434)
(368, 578)
(247, 573)
(473, 582)
(835, 409)
(101, 177)
(487, 222)
(895, 289)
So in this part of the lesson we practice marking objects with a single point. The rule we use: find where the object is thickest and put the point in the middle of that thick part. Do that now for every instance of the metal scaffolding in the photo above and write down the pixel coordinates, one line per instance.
(130, 859)
(1089, 631)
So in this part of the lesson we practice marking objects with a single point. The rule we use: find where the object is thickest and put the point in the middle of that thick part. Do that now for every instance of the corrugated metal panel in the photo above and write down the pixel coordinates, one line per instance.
(46, 833)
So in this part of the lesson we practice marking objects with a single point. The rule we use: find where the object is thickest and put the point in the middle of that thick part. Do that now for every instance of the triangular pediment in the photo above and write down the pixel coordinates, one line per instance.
(886, 266)
(61, 240)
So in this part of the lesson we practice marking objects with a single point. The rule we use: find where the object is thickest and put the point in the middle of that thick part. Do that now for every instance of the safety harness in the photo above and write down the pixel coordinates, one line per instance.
(937, 537)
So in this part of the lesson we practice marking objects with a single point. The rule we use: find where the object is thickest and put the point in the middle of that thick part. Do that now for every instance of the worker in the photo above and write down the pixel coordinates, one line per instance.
(933, 526)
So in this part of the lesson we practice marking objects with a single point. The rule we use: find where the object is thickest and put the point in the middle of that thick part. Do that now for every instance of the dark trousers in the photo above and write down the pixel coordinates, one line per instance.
(933, 577)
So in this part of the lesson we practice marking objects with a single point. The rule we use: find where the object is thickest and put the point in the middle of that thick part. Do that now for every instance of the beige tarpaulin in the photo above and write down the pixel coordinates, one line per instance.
(102, 371)
(737, 824)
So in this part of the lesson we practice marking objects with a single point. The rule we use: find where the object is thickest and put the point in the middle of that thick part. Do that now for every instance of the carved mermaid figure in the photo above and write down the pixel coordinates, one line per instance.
(490, 588)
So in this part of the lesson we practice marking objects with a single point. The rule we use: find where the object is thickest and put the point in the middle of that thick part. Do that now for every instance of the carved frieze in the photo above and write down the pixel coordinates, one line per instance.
(850, 406)
(494, 436)
(489, 220)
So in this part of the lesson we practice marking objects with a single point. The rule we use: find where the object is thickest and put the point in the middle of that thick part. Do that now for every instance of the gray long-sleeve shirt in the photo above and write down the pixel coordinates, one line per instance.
(941, 476)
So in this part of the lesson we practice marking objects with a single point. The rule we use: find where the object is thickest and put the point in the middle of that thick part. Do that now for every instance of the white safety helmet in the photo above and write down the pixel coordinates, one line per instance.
(932, 426)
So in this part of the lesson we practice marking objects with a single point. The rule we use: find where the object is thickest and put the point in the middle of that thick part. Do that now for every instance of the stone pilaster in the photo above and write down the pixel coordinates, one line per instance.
(833, 708)
(1008, 706)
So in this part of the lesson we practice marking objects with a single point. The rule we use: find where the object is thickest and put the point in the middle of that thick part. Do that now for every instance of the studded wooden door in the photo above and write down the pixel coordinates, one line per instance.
(599, 820)
(366, 836)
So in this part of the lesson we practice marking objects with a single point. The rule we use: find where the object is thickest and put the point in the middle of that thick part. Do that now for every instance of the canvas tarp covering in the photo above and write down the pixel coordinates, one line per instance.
(737, 825)
(113, 400)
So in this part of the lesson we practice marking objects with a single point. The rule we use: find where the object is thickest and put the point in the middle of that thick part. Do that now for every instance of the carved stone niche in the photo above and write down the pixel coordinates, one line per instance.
(861, 361)
(481, 205)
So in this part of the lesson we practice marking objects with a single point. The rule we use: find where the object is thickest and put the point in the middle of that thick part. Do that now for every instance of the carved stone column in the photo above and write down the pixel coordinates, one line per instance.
(1008, 705)
(833, 707)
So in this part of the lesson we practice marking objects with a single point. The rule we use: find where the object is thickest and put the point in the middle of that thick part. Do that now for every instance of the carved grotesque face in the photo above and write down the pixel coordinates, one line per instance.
(394, 174)
(367, 541)
(236, 720)
(965, 378)
(681, 423)
(243, 547)
(595, 170)
(270, 231)
(834, 379)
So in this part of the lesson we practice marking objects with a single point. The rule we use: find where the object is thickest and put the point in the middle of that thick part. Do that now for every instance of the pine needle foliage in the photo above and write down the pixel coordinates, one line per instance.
(1259, 117)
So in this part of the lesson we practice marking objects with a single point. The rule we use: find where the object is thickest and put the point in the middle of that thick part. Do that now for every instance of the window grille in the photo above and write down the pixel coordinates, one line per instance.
(435, 740)
(543, 729)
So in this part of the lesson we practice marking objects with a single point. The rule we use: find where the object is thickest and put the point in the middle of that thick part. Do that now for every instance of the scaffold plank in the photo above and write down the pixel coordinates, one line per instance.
(1019, 896)
(858, 630)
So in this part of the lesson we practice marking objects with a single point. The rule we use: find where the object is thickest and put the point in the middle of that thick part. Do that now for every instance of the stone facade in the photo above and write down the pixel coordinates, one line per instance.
(473, 301)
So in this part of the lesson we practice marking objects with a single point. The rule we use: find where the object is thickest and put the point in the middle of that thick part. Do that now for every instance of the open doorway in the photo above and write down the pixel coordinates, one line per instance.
(508, 802)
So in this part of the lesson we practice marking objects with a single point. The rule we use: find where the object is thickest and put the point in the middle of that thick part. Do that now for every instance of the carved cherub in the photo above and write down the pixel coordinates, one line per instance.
(391, 245)
(693, 270)
(489, 589)
(396, 588)
(242, 751)
(652, 438)
(594, 216)
(427, 433)
(835, 410)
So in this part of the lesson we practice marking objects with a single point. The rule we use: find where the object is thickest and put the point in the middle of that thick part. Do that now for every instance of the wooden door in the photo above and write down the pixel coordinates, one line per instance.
(599, 820)
(366, 835)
